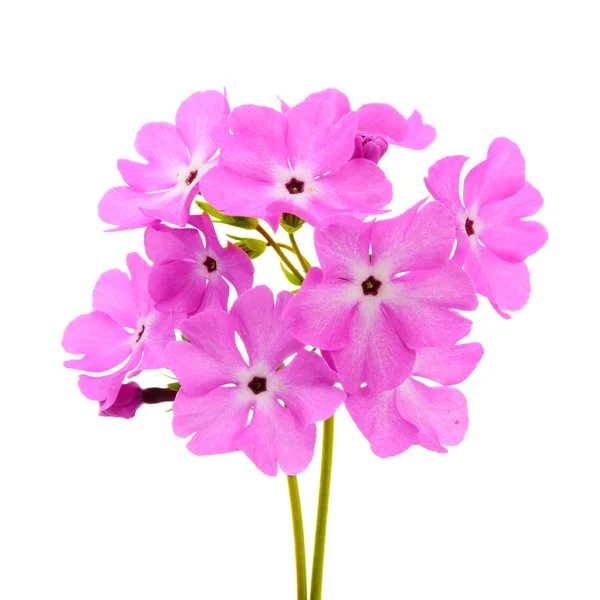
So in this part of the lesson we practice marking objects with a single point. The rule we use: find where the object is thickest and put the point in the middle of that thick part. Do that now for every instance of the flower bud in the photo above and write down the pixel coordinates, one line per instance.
(291, 223)
(371, 147)
(252, 247)
(128, 400)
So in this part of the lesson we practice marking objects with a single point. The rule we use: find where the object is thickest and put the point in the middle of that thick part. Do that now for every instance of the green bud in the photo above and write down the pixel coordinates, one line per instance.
(241, 222)
(291, 223)
(252, 247)
(291, 277)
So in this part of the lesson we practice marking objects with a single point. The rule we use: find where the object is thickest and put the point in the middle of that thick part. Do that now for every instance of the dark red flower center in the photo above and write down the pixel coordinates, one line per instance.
(210, 264)
(294, 186)
(140, 334)
(469, 226)
(191, 177)
(371, 286)
(258, 385)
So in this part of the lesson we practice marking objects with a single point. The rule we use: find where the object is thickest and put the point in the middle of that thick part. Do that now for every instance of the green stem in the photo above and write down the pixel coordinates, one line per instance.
(279, 251)
(298, 537)
(316, 583)
(303, 262)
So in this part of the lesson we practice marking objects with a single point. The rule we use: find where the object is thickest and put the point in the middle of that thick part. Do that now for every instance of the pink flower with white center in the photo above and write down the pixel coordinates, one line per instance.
(378, 126)
(415, 413)
(178, 156)
(296, 163)
(124, 327)
(189, 275)
(493, 240)
(386, 289)
(219, 389)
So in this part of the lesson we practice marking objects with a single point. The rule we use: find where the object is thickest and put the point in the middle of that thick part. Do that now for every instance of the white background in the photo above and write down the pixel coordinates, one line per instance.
(104, 508)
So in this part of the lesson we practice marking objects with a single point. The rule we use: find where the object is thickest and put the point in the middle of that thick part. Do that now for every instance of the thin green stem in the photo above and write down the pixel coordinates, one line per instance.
(298, 537)
(303, 262)
(316, 583)
(279, 251)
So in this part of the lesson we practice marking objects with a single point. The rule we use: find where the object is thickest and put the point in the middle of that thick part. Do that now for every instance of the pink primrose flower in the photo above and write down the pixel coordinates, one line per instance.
(493, 240)
(177, 158)
(415, 413)
(297, 163)
(385, 289)
(189, 275)
(124, 327)
(219, 389)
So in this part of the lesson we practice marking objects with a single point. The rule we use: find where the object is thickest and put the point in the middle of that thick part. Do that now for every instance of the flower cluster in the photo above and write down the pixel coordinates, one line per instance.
(382, 311)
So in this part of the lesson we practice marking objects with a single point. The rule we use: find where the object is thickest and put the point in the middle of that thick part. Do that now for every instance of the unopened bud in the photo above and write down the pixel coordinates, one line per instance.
(371, 147)
(291, 223)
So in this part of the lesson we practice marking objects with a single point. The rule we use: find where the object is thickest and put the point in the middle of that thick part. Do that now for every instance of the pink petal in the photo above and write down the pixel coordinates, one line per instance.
(501, 175)
(161, 143)
(140, 271)
(235, 194)
(204, 224)
(306, 386)
(128, 400)
(121, 206)
(165, 244)
(375, 354)
(257, 147)
(419, 136)
(172, 206)
(340, 102)
(440, 413)
(315, 141)
(526, 202)
(159, 331)
(514, 241)
(113, 296)
(258, 320)
(358, 186)
(213, 419)
(342, 245)
(506, 285)
(415, 240)
(273, 437)
(237, 268)
(462, 247)
(450, 365)
(320, 313)
(104, 342)
(196, 117)
(216, 294)
(420, 306)
(378, 419)
(148, 177)
(443, 180)
(177, 286)
(383, 120)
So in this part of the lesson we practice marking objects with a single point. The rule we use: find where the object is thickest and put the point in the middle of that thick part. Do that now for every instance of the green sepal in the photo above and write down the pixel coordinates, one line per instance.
(293, 279)
(175, 386)
(251, 246)
(242, 222)
(291, 223)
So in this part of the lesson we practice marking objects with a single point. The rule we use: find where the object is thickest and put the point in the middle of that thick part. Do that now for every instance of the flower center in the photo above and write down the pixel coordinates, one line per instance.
(258, 385)
(469, 226)
(210, 264)
(191, 177)
(371, 286)
(140, 334)
(294, 186)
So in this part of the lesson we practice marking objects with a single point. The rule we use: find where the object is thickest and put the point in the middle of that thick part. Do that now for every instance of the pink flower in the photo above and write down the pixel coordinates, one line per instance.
(128, 400)
(178, 156)
(188, 275)
(295, 163)
(414, 413)
(374, 312)
(493, 240)
(378, 125)
(219, 389)
(124, 327)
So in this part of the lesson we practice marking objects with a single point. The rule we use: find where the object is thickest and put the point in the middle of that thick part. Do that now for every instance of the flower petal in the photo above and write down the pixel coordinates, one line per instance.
(121, 206)
(113, 296)
(128, 400)
(450, 365)
(148, 177)
(420, 304)
(526, 202)
(177, 286)
(196, 117)
(161, 143)
(515, 240)
(237, 268)
(383, 120)
(216, 294)
(440, 413)
(315, 141)
(140, 271)
(204, 224)
(213, 419)
(259, 322)
(340, 102)
(418, 239)
(172, 206)
(273, 437)
(166, 244)
(419, 136)
(306, 386)
(378, 419)
(443, 179)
